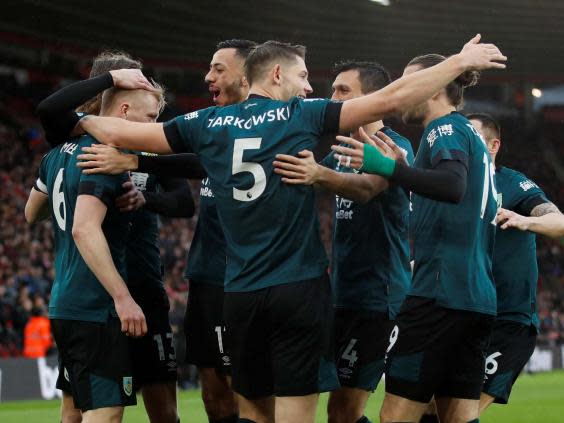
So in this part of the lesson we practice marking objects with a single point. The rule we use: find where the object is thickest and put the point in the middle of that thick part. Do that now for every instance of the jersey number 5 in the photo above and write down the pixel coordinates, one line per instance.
(239, 166)
(59, 208)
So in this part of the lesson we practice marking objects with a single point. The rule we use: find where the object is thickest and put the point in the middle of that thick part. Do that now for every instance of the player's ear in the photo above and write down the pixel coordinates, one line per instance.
(244, 82)
(123, 109)
(277, 74)
(494, 146)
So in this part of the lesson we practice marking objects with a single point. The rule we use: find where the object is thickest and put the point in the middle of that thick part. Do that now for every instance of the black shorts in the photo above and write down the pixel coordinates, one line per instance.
(361, 339)
(437, 351)
(281, 339)
(511, 346)
(205, 329)
(154, 355)
(94, 363)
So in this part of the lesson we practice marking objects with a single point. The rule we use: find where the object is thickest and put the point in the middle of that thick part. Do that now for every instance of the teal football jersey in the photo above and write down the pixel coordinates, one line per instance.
(76, 293)
(143, 255)
(453, 243)
(370, 267)
(271, 228)
(206, 257)
(515, 268)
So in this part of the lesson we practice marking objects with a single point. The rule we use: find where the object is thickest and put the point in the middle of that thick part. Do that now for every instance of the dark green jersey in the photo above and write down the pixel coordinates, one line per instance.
(76, 293)
(144, 269)
(370, 265)
(453, 243)
(271, 228)
(515, 268)
(206, 257)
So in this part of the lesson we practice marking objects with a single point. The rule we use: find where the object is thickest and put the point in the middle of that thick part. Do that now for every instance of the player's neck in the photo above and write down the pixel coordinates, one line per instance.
(437, 112)
(263, 91)
(370, 129)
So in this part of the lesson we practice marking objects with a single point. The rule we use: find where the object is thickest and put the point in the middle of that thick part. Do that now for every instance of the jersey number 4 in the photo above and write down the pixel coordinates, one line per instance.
(239, 166)
(59, 208)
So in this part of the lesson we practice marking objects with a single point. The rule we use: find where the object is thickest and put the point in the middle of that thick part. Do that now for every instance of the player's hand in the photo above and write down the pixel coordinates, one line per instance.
(508, 219)
(133, 199)
(302, 170)
(131, 317)
(387, 146)
(131, 79)
(353, 156)
(476, 56)
(100, 158)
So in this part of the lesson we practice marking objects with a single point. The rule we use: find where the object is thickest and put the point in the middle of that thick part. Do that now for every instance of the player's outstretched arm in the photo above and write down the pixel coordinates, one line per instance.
(304, 170)
(417, 87)
(545, 219)
(57, 114)
(37, 206)
(100, 158)
(122, 133)
(93, 247)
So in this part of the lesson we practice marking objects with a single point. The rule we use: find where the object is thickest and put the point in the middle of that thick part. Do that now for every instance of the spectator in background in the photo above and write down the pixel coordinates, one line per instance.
(37, 332)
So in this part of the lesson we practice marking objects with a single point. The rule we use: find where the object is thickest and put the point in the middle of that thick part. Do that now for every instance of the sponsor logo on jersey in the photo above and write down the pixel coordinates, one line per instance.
(343, 208)
(205, 190)
(191, 115)
(128, 385)
(527, 185)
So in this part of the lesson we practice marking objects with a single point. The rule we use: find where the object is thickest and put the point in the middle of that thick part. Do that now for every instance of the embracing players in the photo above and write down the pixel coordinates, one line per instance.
(277, 297)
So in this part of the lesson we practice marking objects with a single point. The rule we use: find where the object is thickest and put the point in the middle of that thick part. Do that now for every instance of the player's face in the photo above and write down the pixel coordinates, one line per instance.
(346, 86)
(143, 108)
(492, 143)
(415, 115)
(295, 82)
(226, 78)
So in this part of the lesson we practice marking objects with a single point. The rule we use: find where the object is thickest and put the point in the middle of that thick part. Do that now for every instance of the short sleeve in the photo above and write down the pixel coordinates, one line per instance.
(105, 187)
(321, 115)
(182, 132)
(527, 195)
(448, 142)
(41, 182)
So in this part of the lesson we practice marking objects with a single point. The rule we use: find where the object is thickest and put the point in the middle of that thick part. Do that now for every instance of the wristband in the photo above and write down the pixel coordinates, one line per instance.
(375, 162)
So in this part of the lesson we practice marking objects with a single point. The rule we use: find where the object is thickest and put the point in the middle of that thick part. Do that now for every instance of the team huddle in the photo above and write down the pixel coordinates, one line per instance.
(450, 320)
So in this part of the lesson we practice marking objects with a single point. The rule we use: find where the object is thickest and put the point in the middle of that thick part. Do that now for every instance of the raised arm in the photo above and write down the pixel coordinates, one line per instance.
(417, 87)
(57, 114)
(91, 242)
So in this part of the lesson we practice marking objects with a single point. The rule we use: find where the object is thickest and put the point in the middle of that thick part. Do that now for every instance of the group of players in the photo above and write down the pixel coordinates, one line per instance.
(265, 325)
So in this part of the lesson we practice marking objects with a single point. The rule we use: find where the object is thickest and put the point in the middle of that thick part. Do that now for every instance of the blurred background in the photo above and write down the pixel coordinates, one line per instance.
(45, 45)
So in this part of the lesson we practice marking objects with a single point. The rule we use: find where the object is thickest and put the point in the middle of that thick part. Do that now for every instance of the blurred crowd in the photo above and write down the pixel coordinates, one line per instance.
(26, 251)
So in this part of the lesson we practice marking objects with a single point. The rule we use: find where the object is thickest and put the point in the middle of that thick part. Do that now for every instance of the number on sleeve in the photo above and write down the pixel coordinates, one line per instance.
(59, 207)
(239, 147)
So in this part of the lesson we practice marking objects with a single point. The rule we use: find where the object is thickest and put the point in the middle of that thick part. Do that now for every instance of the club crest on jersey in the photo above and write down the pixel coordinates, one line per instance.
(128, 385)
